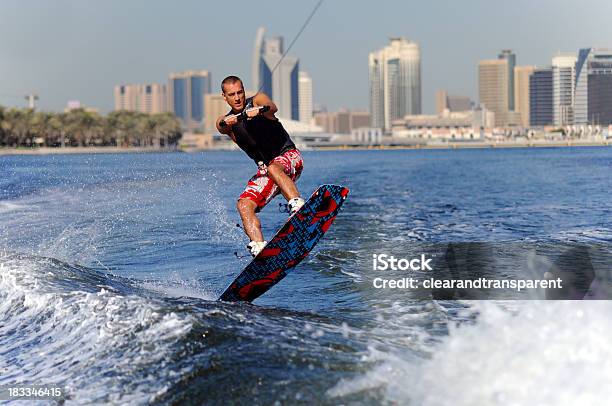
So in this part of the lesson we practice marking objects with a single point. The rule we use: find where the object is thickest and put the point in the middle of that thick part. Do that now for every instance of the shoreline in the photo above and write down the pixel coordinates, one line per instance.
(478, 145)
(81, 150)
(440, 145)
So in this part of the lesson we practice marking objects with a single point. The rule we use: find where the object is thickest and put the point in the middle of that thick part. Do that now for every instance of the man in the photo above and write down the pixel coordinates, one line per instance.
(252, 125)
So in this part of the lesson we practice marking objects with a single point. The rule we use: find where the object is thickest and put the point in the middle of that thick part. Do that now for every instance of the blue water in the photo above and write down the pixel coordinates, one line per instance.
(110, 266)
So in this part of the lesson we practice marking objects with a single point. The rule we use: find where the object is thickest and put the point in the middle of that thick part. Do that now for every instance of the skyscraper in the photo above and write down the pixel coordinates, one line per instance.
(593, 98)
(186, 92)
(509, 56)
(600, 99)
(564, 80)
(277, 76)
(521, 92)
(395, 82)
(148, 98)
(541, 97)
(305, 97)
(493, 88)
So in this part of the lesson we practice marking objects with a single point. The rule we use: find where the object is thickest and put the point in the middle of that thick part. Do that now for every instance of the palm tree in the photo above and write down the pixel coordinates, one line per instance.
(148, 129)
(39, 126)
(19, 127)
(170, 128)
(72, 127)
(92, 127)
(111, 132)
(129, 125)
(57, 129)
(16, 124)
(124, 126)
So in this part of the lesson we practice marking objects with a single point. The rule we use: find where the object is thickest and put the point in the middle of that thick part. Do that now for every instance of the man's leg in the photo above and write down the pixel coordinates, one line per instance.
(284, 182)
(252, 226)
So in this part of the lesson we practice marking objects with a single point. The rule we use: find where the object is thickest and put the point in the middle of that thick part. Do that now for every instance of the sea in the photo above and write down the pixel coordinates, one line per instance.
(111, 266)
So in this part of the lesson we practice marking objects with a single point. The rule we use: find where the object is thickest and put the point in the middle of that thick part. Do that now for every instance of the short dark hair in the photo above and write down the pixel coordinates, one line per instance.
(231, 79)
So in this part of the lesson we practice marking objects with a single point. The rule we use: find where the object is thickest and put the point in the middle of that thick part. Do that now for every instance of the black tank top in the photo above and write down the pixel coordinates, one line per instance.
(261, 138)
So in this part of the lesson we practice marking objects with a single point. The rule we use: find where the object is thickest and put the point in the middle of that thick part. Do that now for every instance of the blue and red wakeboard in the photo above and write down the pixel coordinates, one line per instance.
(289, 246)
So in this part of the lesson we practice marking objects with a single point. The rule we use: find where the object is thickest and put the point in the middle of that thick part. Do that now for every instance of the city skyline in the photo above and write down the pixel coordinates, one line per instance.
(68, 44)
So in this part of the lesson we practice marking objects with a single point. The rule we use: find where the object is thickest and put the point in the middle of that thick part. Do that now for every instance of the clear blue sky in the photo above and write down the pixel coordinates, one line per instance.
(78, 49)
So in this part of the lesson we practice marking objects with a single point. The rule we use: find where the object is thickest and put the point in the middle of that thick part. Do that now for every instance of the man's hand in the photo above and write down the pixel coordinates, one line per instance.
(261, 99)
(252, 112)
(231, 119)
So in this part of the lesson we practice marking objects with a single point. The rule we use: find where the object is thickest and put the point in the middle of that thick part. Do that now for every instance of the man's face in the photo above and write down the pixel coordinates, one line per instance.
(234, 95)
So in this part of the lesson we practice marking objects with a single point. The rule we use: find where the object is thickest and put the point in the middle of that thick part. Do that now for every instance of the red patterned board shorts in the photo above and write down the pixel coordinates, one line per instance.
(261, 189)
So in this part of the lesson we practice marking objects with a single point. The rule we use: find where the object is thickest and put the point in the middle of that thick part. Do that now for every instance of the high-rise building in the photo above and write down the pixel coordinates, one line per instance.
(510, 57)
(521, 92)
(493, 88)
(564, 83)
(277, 76)
(541, 97)
(186, 92)
(600, 99)
(154, 98)
(125, 97)
(395, 82)
(305, 97)
(581, 95)
(148, 98)
(451, 103)
(593, 97)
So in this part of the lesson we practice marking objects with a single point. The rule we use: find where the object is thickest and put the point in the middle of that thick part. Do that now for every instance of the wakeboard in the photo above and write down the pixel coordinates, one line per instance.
(289, 246)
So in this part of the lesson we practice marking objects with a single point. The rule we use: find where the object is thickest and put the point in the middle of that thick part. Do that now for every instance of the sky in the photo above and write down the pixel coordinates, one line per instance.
(80, 49)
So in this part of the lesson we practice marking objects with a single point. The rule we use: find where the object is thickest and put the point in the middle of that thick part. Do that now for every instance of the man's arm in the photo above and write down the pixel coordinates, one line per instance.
(262, 99)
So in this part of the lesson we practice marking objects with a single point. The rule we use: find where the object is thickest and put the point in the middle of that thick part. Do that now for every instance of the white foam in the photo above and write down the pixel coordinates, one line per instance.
(585, 234)
(94, 343)
(180, 288)
(544, 353)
